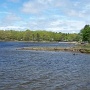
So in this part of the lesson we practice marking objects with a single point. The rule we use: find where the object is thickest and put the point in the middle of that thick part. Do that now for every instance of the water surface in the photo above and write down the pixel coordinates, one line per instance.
(42, 70)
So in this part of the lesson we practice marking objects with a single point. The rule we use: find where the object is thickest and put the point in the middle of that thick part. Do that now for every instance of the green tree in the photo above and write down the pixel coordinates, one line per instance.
(27, 35)
(38, 37)
(85, 33)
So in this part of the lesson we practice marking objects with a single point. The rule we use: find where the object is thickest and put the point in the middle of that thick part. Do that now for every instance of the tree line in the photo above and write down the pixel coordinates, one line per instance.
(30, 35)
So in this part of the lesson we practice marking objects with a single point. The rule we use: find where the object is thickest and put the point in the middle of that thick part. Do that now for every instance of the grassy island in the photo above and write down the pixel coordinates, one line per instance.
(84, 48)
(79, 48)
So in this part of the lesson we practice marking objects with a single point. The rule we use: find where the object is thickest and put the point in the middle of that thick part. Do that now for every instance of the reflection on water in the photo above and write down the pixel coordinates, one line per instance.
(42, 70)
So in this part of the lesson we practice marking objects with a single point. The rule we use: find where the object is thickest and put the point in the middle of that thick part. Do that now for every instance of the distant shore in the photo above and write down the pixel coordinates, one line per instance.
(37, 41)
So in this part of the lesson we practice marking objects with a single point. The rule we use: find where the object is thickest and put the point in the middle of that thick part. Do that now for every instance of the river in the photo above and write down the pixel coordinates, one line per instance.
(42, 70)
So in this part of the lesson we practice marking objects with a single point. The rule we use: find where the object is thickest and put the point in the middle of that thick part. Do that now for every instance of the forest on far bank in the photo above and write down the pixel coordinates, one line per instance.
(42, 35)
(29, 35)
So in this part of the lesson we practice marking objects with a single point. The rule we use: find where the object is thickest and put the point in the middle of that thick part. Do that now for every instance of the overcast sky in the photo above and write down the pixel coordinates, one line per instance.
(68, 16)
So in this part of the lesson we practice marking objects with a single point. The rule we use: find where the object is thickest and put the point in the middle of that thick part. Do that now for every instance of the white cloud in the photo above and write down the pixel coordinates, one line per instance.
(76, 13)
(10, 19)
(32, 7)
(68, 7)
(54, 15)
(66, 26)
(12, 28)
(58, 24)
(37, 6)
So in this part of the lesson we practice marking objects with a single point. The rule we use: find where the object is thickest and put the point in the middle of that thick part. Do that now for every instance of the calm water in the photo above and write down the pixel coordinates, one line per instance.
(42, 70)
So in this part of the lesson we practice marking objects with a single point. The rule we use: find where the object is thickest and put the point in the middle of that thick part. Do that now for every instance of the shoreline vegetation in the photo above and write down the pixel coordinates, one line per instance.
(37, 36)
(48, 36)
(81, 48)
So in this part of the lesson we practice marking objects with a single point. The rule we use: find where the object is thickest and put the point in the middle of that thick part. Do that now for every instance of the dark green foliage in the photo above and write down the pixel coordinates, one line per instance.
(85, 33)
(38, 37)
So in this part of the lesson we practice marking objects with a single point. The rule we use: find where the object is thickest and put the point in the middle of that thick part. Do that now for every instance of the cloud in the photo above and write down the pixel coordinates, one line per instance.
(76, 13)
(32, 7)
(66, 26)
(10, 19)
(53, 15)
(66, 7)
(12, 28)
(57, 25)
(79, 9)
(36, 6)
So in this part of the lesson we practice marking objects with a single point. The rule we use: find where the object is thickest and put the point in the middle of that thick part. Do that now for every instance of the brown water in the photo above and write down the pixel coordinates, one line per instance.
(42, 70)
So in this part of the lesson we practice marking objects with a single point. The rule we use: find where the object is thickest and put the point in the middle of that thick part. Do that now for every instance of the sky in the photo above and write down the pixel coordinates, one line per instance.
(67, 16)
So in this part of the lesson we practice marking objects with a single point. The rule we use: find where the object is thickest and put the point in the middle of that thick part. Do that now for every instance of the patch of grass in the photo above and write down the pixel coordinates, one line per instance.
(84, 48)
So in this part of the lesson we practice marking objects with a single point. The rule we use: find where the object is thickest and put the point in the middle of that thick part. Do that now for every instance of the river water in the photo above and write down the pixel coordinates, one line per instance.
(42, 70)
